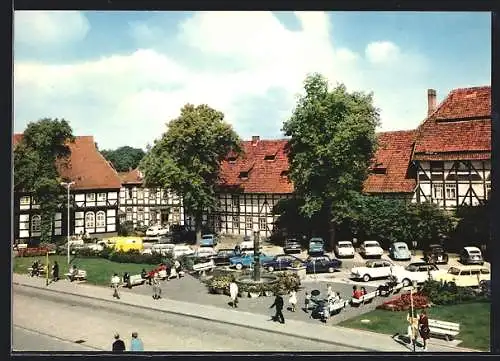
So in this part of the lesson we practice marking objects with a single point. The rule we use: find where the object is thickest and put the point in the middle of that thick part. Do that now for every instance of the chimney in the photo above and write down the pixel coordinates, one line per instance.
(431, 101)
(255, 139)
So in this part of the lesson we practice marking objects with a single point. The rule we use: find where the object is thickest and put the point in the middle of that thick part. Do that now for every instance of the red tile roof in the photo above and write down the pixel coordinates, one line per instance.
(460, 127)
(86, 166)
(131, 177)
(392, 159)
(265, 176)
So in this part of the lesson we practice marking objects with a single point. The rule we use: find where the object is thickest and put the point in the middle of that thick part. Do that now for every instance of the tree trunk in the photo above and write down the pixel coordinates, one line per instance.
(197, 227)
(332, 234)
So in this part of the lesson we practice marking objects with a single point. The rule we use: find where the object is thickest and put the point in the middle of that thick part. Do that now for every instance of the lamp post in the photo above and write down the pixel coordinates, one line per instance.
(68, 186)
(256, 247)
(413, 333)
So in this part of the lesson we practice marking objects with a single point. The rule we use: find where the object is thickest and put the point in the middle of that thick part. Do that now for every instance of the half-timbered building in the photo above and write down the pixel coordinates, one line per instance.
(148, 206)
(93, 196)
(452, 152)
(250, 186)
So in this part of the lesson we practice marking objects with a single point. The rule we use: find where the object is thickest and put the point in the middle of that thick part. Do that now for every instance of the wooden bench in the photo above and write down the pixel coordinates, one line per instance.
(81, 275)
(134, 280)
(397, 288)
(364, 299)
(338, 305)
(448, 330)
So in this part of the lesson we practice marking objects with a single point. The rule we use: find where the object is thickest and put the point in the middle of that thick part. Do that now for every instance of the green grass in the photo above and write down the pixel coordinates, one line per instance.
(99, 270)
(474, 319)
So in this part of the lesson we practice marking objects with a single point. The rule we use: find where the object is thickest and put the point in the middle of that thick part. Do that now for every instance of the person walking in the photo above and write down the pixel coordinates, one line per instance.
(178, 268)
(118, 345)
(55, 272)
(136, 343)
(329, 292)
(278, 303)
(115, 283)
(423, 327)
(156, 287)
(293, 300)
(233, 293)
(307, 301)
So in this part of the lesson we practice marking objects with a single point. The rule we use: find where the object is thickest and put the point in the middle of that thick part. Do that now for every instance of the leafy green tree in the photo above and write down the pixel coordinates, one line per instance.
(332, 142)
(187, 158)
(44, 144)
(473, 227)
(124, 158)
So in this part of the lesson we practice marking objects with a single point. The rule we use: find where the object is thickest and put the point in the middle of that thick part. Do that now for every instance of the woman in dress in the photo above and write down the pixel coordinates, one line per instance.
(423, 327)
(293, 300)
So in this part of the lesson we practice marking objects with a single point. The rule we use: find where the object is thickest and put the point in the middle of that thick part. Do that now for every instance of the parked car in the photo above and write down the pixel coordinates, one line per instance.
(292, 246)
(281, 262)
(181, 233)
(222, 257)
(416, 272)
(320, 264)
(205, 252)
(435, 253)
(373, 269)
(156, 230)
(471, 255)
(182, 250)
(97, 245)
(163, 248)
(208, 240)
(371, 249)
(399, 251)
(166, 238)
(246, 244)
(246, 260)
(344, 249)
(465, 276)
(316, 246)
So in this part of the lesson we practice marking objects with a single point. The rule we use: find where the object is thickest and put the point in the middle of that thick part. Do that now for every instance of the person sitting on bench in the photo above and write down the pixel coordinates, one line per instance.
(73, 272)
(356, 293)
(35, 269)
(126, 279)
(363, 291)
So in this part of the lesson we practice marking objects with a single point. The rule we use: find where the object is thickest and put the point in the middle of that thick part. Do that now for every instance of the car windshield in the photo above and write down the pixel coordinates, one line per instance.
(402, 248)
(207, 237)
(411, 268)
(345, 245)
(454, 271)
(474, 252)
(371, 244)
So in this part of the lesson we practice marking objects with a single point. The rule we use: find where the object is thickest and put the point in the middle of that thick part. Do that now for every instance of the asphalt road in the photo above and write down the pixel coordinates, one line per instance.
(28, 340)
(64, 319)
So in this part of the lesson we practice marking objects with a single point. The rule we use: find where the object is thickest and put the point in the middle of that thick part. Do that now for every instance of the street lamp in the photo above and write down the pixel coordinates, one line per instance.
(68, 186)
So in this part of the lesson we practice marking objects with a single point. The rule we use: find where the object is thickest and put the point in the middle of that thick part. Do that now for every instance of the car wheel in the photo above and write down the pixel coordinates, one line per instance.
(366, 277)
(406, 282)
(270, 268)
(331, 269)
(239, 266)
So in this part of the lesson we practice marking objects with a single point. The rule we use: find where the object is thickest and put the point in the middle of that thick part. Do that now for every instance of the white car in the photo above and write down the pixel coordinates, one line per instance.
(344, 249)
(162, 248)
(156, 230)
(371, 249)
(205, 252)
(97, 246)
(182, 250)
(373, 269)
(417, 272)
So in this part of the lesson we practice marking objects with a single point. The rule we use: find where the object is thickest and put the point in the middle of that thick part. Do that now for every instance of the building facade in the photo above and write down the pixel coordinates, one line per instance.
(148, 206)
(93, 197)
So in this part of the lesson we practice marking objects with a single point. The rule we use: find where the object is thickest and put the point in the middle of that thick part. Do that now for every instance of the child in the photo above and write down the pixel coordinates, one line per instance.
(293, 300)
(307, 300)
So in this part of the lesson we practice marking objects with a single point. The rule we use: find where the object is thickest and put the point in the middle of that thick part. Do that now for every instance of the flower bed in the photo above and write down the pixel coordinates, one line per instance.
(403, 302)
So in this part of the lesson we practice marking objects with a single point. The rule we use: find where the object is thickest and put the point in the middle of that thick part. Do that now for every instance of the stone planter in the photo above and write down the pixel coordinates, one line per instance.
(300, 271)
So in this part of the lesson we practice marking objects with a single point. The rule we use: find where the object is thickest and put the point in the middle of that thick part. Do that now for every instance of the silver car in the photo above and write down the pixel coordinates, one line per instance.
(399, 251)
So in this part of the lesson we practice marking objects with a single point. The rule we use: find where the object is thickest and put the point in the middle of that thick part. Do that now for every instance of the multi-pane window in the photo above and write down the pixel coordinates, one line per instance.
(236, 222)
(129, 214)
(140, 193)
(101, 197)
(262, 224)
(248, 222)
(451, 191)
(488, 190)
(89, 220)
(152, 195)
(25, 200)
(91, 197)
(140, 214)
(437, 191)
(235, 201)
(100, 220)
(129, 193)
(36, 223)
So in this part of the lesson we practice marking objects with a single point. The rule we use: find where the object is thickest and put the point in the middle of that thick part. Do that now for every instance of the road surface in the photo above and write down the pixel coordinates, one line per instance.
(60, 320)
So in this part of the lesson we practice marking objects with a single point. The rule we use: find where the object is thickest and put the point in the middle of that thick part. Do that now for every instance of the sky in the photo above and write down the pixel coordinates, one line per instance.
(122, 76)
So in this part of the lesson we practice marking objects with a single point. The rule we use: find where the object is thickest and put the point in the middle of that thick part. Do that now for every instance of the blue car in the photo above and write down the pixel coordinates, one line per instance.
(281, 262)
(208, 240)
(246, 260)
(322, 264)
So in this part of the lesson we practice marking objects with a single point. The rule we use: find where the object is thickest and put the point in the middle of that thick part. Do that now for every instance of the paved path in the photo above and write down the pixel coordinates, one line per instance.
(25, 339)
(300, 328)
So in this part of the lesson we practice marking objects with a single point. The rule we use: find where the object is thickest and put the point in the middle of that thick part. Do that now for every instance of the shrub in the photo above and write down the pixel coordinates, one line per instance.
(449, 294)
(134, 256)
(219, 283)
(287, 281)
(87, 252)
(126, 228)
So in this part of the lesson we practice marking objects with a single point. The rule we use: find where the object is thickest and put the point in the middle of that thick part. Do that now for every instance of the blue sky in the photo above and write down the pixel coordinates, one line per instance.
(120, 76)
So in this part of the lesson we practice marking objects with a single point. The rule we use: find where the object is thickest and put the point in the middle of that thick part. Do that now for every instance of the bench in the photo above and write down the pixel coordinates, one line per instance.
(339, 305)
(134, 280)
(443, 328)
(397, 288)
(81, 275)
(41, 271)
(364, 299)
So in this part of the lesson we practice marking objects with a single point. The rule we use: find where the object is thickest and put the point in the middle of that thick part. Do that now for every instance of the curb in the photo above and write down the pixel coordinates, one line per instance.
(206, 319)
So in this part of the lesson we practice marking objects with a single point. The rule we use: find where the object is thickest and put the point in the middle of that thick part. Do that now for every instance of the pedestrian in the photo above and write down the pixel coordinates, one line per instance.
(118, 345)
(177, 266)
(126, 279)
(55, 272)
(156, 287)
(233, 293)
(144, 274)
(293, 300)
(115, 283)
(412, 328)
(278, 303)
(237, 250)
(136, 343)
(423, 328)
(307, 301)
(329, 292)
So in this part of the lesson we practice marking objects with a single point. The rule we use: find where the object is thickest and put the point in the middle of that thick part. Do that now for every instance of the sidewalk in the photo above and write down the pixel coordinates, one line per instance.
(364, 340)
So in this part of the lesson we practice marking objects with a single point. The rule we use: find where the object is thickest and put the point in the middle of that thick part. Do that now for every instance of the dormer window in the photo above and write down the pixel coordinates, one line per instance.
(244, 175)
(379, 170)
(231, 160)
(270, 157)
(284, 174)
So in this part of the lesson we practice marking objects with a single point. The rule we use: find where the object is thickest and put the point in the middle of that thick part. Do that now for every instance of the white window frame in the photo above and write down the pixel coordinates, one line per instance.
(101, 197)
(36, 226)
(24, 200)
(100, 219)
(89, 220)
(451, 191)
(262, 223)
(140, 214)
(129, 214)
(235, 201)
(236, 222)
(152, 194)
(90, 197)
(437, 191)
(140, 193)
(248, 222)
(488, 190)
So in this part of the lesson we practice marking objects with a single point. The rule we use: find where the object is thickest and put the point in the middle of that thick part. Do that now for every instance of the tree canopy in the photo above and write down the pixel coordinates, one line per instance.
(124, 158)
(332, 143)
(187, 158)
(44, 142)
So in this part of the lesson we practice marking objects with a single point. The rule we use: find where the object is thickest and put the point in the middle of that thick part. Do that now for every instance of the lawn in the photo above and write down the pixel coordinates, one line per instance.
(474, 319)
(99, 270)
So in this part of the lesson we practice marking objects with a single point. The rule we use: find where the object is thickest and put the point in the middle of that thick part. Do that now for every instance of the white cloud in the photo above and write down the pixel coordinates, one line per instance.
(382, 52)
(49, 27)
(242, 57)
